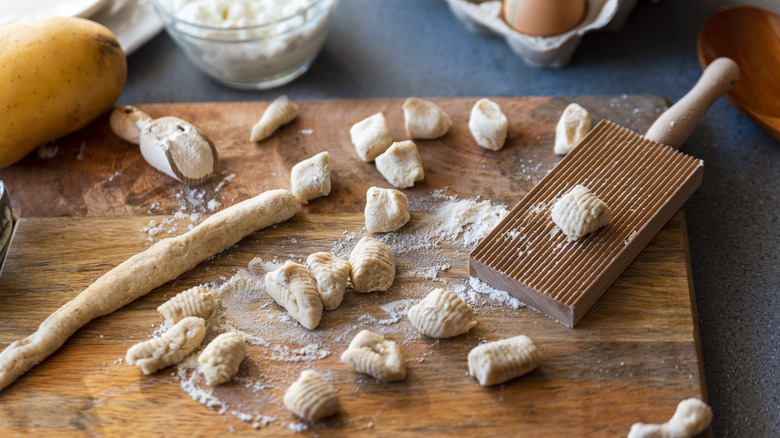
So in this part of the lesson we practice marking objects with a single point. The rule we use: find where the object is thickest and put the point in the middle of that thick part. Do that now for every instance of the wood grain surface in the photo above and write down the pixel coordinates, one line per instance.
(633, 357)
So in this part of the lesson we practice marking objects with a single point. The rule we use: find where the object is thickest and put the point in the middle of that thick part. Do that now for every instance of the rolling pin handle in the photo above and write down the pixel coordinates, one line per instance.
(675, 125)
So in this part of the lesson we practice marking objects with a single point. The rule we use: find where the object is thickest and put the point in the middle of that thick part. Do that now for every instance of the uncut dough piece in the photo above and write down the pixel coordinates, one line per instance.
(401, 164)
(573, 125)
(580, 212)
(220, 360)
(691, 417)
(293, 287)
(196, 301)
(424, 119)
(136, 276)
(499, 361)
(488, 124)
(371, 137)
(311, 397)
(280, 112)
(331, 273)
(170, 347)
(386, 210)
(311, 177)
(442, 314)
(373, 266)
(372, 354)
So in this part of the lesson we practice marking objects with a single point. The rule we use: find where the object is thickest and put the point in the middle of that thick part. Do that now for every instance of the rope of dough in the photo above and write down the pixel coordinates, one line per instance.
(138, 275)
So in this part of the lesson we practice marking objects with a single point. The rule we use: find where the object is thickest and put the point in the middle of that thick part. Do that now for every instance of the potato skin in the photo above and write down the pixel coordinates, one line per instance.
(56, 75)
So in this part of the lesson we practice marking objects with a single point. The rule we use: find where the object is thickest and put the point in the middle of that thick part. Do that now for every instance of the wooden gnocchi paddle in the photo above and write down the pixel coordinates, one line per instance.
(643, 180)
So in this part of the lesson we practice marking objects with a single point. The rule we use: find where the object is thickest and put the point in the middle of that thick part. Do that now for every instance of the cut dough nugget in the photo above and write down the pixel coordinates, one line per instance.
(196, 301)
(169, 348)
(295, 289)
(488, 124)
(136, 276)
(311, 177)
(424, 119)
(376, 356)
(220, 360)
(373, 266)
(442, 314)
(496, 362)
(691, 418)
(371, 137)
(386, 210)
(401, 164)
(311, 397)
(280, 112)
(331, 273)
(573, 125)
(580, 212)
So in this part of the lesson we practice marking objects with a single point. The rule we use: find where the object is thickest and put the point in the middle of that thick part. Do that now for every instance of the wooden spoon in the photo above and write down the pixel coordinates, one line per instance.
(751, 37)
(171, 145)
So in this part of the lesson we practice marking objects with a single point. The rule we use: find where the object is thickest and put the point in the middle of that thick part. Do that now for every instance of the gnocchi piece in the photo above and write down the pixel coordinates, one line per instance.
(293, 287)
(196, 301)
(442, 314)
(401, 164)
(373, 266)
(371, 354)
(424, 119)
(573, 125)
(311, 177)
(499, 361)
(371, 137)
(580, 212)
(280, 112)
(331, 273)
(488, 124)
(386, 210)
(169, 348)
(691, 418)
(220, 360)
(311, 397)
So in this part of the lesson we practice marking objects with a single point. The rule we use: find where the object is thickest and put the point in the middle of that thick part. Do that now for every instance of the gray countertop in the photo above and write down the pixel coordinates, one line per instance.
(401, 48)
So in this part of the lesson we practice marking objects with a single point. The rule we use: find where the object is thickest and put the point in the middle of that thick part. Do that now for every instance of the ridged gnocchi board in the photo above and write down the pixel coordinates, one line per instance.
(633, 357)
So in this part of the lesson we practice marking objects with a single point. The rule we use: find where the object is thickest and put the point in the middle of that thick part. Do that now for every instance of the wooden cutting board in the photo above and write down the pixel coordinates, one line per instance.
(86, 198)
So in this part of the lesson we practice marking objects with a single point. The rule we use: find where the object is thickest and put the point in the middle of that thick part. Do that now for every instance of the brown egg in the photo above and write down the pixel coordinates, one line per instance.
(543, 17)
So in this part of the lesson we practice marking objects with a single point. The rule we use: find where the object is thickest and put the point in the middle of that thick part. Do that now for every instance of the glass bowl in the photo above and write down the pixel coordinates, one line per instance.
(238, 52)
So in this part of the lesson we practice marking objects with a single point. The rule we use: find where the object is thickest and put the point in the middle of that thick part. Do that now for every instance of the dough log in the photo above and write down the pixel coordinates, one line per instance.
(138, 275)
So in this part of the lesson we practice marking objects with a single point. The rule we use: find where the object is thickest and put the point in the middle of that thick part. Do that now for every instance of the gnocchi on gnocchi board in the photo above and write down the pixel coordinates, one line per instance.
(632, 358)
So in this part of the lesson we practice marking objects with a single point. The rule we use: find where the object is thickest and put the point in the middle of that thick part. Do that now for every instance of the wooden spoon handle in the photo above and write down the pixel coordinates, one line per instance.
(675, 125)
(123, 122)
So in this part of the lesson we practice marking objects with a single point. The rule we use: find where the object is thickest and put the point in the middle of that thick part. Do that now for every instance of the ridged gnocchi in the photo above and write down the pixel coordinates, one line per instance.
(311, 178)
(573, 125)
(401, 164)
(488, 124)
(373, 266)
(170, 347)
(691, 417)
(424, 119)
(499, 361)
(442, 314)
(332, 274)
(195, 301)
(311, 397)
(220, 360)
(580, 212)
(293, 287)
(280, 112)
(371, 137)
(386, 210)
(372, 354)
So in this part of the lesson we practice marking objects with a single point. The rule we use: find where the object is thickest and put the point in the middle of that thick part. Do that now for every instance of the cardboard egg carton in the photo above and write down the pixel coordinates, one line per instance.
(556, 51)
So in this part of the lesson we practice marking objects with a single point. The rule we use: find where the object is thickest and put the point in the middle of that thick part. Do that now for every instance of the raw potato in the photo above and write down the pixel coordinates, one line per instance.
(136, 276)
(56, 75)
